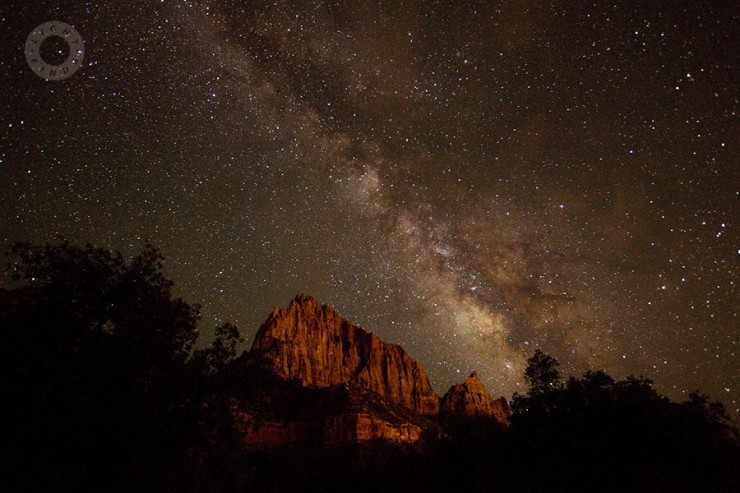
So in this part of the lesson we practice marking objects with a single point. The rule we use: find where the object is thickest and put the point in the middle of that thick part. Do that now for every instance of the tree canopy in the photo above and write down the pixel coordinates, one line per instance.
(98, 365)
(106, 391)
(620, 433)
(542, 373)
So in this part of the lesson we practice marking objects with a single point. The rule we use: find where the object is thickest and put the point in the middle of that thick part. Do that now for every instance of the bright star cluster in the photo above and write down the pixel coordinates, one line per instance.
(472, 180)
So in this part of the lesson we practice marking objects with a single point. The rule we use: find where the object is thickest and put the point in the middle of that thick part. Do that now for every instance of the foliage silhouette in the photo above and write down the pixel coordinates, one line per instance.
(597, 434)
(95, 368)
(542, 373)
(105, 391)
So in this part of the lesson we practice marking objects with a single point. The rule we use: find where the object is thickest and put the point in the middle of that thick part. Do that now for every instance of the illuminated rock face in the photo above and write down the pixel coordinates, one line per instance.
(471, 398)
(351, 386)
(311, 343)
(340, 429)
(260, 433)
(352, 428)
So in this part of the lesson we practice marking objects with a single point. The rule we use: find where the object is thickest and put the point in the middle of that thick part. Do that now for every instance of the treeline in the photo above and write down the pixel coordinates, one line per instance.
(102, 388)
(595, 433)
(104, 391)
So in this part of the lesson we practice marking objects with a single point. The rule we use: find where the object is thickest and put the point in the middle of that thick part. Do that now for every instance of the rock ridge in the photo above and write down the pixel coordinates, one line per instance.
(471, 398)
(356, 387)
(311, 343)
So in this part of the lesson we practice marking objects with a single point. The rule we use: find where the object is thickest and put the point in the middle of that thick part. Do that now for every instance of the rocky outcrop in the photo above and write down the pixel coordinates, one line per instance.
(353, 428)
(313, 344)
(287, 415)
(317, 379)
(259, 433)
(341, 429)
(471, 398)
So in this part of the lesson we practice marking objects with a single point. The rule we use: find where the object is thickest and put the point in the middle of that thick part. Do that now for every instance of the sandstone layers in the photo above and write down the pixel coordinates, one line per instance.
(471, 398)
(311, 344)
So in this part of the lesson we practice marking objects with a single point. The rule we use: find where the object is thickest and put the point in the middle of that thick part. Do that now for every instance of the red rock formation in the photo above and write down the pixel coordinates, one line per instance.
(353, 428)
(312, 343)
(471, 398)
(260, 433)
(341, 429)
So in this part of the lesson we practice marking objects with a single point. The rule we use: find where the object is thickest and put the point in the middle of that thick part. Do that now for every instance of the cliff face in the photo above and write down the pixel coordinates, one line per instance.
(471, 398)
(353, 428)
(311, 343)
(352, 387)
(259, 433)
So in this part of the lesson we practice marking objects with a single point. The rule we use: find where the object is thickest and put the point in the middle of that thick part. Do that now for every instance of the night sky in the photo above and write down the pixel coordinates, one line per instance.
(471, 180)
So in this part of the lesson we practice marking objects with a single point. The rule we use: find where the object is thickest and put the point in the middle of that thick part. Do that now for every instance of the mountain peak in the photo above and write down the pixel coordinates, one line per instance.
(311, 343)
(471, 398)
(304, 299)
(362, 388)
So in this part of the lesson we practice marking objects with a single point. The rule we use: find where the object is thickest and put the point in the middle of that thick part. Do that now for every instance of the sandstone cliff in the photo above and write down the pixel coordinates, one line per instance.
(318, 379)
(353, 428)
(471, 398)
(313, 344)
(280, 413)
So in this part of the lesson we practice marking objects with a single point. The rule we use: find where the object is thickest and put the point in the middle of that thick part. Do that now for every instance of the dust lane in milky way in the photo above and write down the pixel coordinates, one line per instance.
(470, 180)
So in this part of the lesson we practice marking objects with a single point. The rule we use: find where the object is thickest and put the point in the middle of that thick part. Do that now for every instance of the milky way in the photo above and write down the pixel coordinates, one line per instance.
(472, 180)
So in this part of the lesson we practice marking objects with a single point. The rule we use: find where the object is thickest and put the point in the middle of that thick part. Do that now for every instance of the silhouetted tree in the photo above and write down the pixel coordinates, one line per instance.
(597, 434)
(542, 373)
(95, 368)
(104, 392)
(214, 358)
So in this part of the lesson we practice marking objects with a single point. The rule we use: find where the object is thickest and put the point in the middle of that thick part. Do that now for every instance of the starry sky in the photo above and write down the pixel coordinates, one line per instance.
(471, 180)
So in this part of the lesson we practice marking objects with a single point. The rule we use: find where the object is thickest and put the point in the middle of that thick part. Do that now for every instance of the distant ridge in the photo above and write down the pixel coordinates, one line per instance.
(376, 390)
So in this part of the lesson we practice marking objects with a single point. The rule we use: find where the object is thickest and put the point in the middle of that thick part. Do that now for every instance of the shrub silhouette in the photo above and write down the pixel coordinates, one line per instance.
(95, 367)
(104, 391)
(597, 434)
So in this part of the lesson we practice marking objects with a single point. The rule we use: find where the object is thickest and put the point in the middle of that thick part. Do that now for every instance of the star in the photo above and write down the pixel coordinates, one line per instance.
(471, 183)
